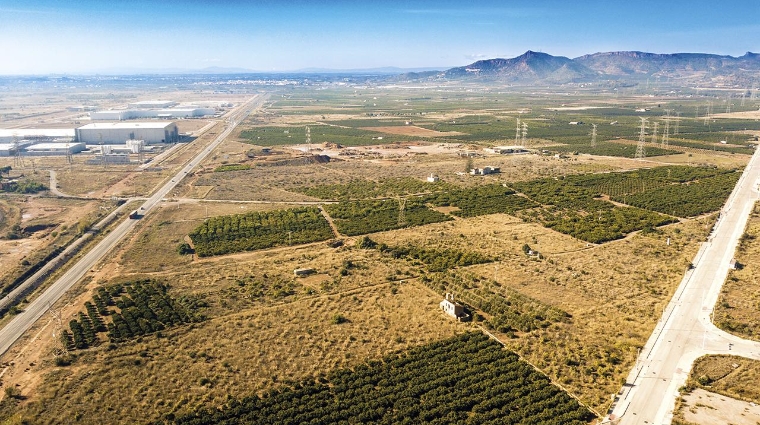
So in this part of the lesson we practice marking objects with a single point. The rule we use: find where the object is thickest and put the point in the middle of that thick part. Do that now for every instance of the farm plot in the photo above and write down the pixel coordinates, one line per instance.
(686, 200)
(259, 230)
(143, 308)
(367, 189)
(481, 200)
(467, 379)
(572, 210)
(362, 217)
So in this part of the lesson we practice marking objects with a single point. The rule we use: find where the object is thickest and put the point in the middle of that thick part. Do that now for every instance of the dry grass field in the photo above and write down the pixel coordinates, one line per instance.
(266, 327)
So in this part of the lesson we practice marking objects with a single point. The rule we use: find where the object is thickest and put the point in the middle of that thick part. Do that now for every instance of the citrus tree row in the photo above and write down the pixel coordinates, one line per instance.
(259, 230)
(481, 200)
(434, 259)
(686, 200)
(125, 311)
(363, 217)
(468, 379)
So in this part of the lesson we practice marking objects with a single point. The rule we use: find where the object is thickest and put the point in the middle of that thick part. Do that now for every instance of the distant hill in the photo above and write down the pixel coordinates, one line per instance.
(536, 67)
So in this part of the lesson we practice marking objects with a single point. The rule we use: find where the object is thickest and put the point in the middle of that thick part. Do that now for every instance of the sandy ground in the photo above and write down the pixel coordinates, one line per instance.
(412, 130)
(706, 408)
(386, 150)
(746, 115)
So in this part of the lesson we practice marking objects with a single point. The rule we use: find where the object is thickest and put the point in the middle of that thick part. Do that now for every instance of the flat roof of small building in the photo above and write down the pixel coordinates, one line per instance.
(126, 125)
(52, 146)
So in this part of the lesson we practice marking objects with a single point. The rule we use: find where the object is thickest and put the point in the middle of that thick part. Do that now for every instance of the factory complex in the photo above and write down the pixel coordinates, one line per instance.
(100, 138)
(153, 109)
(117, 133)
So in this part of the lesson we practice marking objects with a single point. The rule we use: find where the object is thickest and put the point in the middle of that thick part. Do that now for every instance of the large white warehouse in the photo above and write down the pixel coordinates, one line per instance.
(120, 132)
(130, 114)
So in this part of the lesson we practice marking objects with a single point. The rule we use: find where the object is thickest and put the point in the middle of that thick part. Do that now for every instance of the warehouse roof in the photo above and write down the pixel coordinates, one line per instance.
(31, 132)
(53, 146)
(125, 125)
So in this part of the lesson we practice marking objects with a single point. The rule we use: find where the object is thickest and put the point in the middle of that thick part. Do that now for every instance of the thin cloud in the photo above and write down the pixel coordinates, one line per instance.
(28, 11)
(505, 12)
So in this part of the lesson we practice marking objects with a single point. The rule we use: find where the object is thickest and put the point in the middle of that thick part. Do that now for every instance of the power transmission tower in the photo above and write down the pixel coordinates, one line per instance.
(665, 134)
(18, 161)
(640, 152)
(593, 135)
(68, 154)
(524, 133)
(678, 123)
(744, 94)
(728, 104)
(709, 111)
(401, 211)
(517, 133)
(654, 134)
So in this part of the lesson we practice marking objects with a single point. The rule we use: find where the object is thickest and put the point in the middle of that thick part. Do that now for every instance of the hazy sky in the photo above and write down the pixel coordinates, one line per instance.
(76, 36)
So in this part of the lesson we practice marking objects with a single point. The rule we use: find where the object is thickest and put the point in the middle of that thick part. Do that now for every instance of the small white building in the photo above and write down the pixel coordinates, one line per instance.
(485, 171)
(453, 308)
(51, 149)
(432, 178)
(304, 272)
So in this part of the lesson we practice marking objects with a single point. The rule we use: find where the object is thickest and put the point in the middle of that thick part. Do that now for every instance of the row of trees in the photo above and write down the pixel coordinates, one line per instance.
(686, 200)
(363, 217)
(599, 226)
(435, 260)
(142, 307)
(468, 379)
(481, 200)
(259, 230)
(369, 189)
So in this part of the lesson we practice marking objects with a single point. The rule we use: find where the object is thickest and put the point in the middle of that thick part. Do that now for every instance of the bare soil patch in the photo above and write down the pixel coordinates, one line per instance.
(707, 408)
(413, 131)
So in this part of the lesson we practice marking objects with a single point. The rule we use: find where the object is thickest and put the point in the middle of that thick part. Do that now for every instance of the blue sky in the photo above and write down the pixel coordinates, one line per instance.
(81, 36)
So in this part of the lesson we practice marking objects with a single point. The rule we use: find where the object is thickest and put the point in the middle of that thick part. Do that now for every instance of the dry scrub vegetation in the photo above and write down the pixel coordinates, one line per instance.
(266, 327)
(738, 308)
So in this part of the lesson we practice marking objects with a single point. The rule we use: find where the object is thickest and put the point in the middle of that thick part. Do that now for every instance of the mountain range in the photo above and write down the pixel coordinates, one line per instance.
(537, 67)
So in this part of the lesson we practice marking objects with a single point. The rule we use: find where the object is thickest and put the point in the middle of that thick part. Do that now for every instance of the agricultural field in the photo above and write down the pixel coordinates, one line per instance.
(567, 257)
(251, 231)
(469, 379)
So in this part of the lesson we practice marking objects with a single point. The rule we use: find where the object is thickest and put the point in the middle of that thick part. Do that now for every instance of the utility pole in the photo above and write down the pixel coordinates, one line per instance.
(593, 135)
(654, 134)
(517, 133)
(524, 132)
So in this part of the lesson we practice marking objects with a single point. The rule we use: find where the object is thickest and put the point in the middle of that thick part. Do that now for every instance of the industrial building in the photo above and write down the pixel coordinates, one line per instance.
(12, 135)
(119, 133)
(152, 104)
(131, 114)
(7, 149)
(49, 149)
